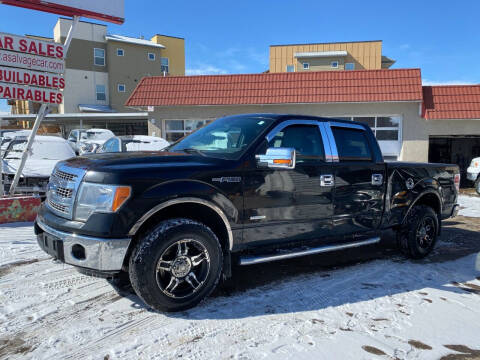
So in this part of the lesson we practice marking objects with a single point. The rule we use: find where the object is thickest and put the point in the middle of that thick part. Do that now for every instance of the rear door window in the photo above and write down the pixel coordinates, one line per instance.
(352, 144)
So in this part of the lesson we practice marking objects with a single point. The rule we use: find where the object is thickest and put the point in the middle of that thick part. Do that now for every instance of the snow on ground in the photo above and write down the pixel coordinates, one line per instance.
(380, 308)
(469, 205)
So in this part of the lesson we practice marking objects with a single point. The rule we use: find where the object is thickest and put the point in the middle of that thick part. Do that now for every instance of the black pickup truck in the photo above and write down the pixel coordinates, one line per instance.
(242, 190)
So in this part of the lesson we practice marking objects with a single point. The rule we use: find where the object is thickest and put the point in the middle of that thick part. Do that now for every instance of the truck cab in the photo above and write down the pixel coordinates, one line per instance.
(244, 189)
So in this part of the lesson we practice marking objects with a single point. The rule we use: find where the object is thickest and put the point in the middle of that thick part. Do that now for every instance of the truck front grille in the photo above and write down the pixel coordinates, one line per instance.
(63, 175)
(58, 207)
(62, 189)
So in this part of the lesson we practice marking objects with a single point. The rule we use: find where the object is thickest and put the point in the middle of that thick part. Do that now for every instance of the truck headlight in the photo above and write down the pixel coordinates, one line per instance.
(99, 198)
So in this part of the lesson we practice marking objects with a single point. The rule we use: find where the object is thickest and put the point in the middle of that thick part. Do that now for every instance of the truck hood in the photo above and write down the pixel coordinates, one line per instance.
(126, 161)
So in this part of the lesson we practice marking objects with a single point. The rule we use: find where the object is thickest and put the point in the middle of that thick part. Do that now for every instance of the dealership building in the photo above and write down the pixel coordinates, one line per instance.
(411, 122)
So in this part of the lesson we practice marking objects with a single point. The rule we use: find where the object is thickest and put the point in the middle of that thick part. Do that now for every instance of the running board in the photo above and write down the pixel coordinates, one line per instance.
(257, 259)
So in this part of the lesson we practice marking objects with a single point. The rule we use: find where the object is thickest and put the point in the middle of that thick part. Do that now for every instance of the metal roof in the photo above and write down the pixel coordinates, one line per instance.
(280, 88)
(315, 54)
(451, 102)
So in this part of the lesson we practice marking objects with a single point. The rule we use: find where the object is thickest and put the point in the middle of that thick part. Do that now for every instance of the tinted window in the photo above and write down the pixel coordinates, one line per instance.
(352, 144)
(306, 139)
(111, 145)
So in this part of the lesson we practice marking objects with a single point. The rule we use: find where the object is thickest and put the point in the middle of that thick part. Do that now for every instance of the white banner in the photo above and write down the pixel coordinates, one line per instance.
(29, 93)
(31, 46)
(31, 62)
(33, 78)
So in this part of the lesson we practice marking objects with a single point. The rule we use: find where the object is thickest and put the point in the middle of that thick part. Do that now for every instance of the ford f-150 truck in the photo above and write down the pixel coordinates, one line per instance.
(244, 189)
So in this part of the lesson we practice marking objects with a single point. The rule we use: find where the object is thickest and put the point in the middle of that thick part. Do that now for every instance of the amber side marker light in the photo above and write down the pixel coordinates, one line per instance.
(282, 161)
(122, 193)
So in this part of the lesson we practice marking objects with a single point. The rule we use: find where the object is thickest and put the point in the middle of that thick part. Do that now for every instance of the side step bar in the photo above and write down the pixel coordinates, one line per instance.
(257, 259)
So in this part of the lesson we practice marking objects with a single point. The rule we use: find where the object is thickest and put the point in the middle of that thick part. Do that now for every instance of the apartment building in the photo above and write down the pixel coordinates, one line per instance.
(103, 69)
(355, 55)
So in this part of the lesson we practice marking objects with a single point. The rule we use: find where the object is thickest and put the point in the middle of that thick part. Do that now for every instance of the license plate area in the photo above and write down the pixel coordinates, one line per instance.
(52, 246)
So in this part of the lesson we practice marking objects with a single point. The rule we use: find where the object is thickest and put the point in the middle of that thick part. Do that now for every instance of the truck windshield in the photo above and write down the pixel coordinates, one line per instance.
(227, 137)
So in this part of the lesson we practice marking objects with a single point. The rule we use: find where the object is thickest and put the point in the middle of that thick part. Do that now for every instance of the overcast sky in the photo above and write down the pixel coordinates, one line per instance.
(222, 37)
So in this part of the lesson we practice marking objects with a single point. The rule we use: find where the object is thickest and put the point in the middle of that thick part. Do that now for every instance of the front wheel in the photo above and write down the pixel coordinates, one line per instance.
(418, 234)
(176, 265)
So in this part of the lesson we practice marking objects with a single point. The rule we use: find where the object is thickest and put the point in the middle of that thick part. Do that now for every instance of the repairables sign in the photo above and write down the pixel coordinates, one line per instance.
(31, 69)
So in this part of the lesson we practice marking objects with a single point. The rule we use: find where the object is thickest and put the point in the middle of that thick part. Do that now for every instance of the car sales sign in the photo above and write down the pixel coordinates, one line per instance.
(31, 69)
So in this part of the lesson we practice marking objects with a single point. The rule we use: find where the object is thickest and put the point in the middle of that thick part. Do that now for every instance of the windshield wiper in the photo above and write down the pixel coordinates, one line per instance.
(193, 151)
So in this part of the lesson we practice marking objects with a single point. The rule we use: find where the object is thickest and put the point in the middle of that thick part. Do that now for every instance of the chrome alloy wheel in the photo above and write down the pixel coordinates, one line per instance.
(183, 268)
(426, 233)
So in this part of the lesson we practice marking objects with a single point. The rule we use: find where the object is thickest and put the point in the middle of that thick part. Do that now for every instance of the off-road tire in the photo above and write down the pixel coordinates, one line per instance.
(148, 251)
(407, 234)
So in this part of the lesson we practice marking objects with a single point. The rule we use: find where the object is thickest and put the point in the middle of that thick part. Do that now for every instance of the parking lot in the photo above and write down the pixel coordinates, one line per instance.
(359, 304)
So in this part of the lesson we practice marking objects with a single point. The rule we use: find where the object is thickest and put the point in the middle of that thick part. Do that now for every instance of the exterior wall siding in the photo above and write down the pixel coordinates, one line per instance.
(81, 89)
(320, 64)
(129, 69)
(174, 51)
(365, 55)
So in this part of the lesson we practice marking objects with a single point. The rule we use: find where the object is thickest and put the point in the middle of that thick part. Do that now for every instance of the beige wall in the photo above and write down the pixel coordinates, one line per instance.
(81, 89)
(129, 69)
(174, 51)
(365, 54)
(320, 64)
(413, 131)
(84, 30)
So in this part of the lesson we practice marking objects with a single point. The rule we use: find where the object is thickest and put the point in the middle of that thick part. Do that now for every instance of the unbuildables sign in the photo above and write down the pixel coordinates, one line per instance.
(31, 69)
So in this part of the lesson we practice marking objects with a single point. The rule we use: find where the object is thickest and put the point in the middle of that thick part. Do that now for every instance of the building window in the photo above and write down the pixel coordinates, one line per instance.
(306, 66)
(176, 129)
(290, 68)
(164, 65)
(334, 64)
(349, 66)
(120, 52)
(151, 56)
(100, 91)
(387, 130)
(99, 57)
(121, 87)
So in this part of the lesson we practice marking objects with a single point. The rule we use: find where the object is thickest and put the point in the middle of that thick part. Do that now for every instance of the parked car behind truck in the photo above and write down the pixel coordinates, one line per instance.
(46, 152)
(133, 143)
(242, 190)
(473, 173)
(85, 141)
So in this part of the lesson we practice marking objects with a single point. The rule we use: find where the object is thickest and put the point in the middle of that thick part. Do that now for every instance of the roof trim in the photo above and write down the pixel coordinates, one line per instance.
(133, 41)
(327, 43)
(315, 54)
(134, 115)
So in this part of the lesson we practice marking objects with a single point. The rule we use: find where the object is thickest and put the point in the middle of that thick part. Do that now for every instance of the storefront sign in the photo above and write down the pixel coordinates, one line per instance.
(106, 10)
(31, 46)
(29, 93)
(33, 78)
(31, 62)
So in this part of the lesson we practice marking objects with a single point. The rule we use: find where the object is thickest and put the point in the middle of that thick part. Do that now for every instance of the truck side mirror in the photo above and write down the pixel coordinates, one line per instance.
(277, 158)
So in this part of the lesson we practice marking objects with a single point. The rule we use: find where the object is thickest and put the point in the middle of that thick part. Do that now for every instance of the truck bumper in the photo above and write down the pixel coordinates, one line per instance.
(455, 210)
(97, 254)
(472, 176)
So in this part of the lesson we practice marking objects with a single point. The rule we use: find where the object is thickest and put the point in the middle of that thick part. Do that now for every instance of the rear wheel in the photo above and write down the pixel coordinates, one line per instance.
(418, 234)
(176, 265)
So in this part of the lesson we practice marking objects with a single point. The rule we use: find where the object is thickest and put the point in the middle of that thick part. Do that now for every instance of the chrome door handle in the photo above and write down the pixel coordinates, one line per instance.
(377, 179)
(327, 180)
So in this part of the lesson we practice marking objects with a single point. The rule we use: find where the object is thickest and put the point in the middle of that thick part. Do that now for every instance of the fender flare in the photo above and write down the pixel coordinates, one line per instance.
(184, 200)
(420, 196)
